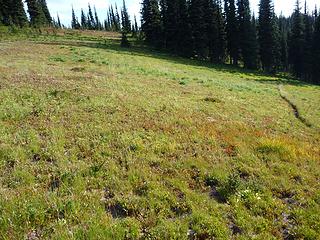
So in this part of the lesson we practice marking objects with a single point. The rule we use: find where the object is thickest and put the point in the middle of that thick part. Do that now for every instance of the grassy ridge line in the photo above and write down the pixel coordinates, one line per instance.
(33, 34)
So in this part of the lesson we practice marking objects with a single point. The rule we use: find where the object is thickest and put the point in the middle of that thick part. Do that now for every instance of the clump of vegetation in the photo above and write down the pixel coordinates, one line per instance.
(211, 99)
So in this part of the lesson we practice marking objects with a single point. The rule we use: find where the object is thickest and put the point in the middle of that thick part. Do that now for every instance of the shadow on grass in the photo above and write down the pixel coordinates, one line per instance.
(284, 80)
(142, 50)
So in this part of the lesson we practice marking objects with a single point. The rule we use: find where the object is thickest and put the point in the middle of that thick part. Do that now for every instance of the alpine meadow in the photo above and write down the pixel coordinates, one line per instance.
(195, 120)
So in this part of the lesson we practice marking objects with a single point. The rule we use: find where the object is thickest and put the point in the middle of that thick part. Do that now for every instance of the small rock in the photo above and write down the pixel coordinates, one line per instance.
(235, 229)
(33, 235)
(191, 234)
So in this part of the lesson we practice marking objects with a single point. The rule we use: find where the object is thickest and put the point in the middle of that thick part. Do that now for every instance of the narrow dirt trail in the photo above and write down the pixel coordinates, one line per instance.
(294, 108)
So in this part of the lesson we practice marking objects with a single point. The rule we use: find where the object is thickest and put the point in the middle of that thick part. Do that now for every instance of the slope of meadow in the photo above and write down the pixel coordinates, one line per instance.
(99, 142)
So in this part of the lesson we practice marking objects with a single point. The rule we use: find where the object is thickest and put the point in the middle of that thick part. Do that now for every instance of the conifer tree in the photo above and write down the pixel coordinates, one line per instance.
(18, 14)
(96, 20)
(247, 35)
(135, 28)
(89, 23)
(199, 28)
(112, 18)
(296, 43)
(151, 22)
(184, 31)
(211, 25)
(36, 14)
(126, 25)
(169, 15)
(232, 31)
(117, 19)
(107, 23)
(316, 52)
(91, 20)
(268, 37)
(307, 48)
(58, 21)
(1, 12)
(218, 51)
(74, 21)
(5, 12)
(255, 45)
(276, 48)
(284, 50)
(45, 10)
(176, 26)
(84, 23)
(284, 34)
(124, 40)
(136, 24)
(163, 4)
(125, 19)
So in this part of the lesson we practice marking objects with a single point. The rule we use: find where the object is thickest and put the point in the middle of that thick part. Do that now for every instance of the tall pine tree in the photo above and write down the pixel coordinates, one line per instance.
(284, 33)
(58, 21)
(18, 14)
(84, 23)
(74, 20)
(268, 37)
(218, 38)
(135, 28)
(247, 35)
(316, 52)
(91, 20)
(296, 43)
(211, 26)
(1, 12)
(117, 19)
(308, 22)
(44, 7)
(36, 14)
(184, 46)
(5, 9)
(232, 31)
(126, 25)
(151, 22)
(199, 28)
(96, 20)
(111, 18)
(125, 19)
(171, 25)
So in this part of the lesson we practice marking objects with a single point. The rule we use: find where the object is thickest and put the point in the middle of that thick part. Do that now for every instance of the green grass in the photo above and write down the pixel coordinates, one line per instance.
(100, 142)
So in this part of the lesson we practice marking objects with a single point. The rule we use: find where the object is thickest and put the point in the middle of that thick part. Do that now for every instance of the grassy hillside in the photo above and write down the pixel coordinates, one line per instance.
(100, 142)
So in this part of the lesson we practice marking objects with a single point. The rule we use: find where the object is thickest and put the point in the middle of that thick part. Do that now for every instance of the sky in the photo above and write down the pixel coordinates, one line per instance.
(63, 7)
